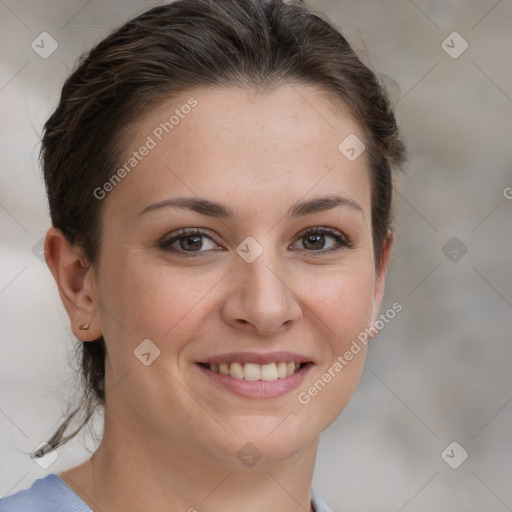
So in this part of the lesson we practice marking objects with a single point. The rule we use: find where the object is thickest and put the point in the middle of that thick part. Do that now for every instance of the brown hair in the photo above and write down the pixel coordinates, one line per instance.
(178, 47)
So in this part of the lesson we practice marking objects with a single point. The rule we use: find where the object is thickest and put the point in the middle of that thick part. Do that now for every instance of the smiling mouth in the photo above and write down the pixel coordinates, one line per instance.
(255, 372)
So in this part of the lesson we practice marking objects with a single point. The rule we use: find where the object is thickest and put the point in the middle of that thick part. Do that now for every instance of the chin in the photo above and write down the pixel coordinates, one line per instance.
(262, 442)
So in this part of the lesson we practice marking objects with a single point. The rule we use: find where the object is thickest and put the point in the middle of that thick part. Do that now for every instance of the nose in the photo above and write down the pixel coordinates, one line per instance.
(261, 299)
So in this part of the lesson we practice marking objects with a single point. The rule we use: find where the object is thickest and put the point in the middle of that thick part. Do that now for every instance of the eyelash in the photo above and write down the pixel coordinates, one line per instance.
(340, 238)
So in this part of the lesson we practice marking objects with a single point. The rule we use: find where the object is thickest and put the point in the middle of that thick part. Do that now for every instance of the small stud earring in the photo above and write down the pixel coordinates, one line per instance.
(84, 327)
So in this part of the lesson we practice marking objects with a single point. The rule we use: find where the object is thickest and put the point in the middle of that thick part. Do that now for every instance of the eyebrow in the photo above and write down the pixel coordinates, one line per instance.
(221, 210)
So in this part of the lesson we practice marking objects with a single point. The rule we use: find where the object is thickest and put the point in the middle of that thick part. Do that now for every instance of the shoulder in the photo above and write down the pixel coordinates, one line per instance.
(51, 494)
(48, 494)
(319, 504)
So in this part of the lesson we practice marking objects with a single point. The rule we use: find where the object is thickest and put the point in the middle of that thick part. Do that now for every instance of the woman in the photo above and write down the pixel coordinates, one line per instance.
(219, 181)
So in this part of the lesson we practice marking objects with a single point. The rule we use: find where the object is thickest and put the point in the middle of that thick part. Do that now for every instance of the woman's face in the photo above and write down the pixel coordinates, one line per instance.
(249, 288)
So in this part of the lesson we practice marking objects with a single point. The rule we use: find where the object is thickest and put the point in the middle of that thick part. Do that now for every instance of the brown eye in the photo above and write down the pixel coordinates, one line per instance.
(314, 242)
(323, 240)
(189, 241)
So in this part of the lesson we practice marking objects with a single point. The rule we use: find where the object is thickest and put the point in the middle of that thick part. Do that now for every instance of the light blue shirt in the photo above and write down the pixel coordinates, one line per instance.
(51, 494)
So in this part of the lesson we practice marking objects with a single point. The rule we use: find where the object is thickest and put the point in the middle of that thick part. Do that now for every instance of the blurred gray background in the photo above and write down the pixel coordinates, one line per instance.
(439, 372)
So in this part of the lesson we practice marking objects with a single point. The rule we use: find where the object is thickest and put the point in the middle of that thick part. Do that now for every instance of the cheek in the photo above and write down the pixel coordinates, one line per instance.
(343, 305)
(150, 300)
(342, 300)
(157, 301)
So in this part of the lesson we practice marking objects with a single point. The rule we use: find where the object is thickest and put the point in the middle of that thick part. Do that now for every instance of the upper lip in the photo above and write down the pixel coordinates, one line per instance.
(257, 358)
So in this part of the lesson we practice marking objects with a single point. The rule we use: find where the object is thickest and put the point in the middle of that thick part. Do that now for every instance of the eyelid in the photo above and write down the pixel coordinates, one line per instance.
(322, 230)
(181, 233)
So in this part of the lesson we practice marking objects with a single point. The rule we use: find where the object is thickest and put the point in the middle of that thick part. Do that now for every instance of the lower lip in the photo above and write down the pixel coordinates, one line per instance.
(258, 388)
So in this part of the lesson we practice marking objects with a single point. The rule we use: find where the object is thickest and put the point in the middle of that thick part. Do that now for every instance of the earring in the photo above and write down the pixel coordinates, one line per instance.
(84, 327)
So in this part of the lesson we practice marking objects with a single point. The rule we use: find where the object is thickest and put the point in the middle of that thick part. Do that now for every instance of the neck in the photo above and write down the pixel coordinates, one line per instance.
(131, 471)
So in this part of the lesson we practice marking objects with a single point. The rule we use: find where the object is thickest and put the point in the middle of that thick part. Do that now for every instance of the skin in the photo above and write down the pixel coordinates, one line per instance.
(171, 436)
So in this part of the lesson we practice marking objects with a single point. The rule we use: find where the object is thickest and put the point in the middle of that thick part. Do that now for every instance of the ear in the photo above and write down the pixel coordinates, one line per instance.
(76, 283)
(380, 282)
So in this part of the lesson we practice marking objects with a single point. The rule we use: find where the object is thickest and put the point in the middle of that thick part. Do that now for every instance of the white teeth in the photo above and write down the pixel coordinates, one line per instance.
(236, 370)
(269, 372)
(253, 372)
(281, 370)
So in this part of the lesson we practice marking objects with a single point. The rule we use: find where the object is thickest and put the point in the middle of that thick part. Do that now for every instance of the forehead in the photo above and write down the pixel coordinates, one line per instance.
(256, 147)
